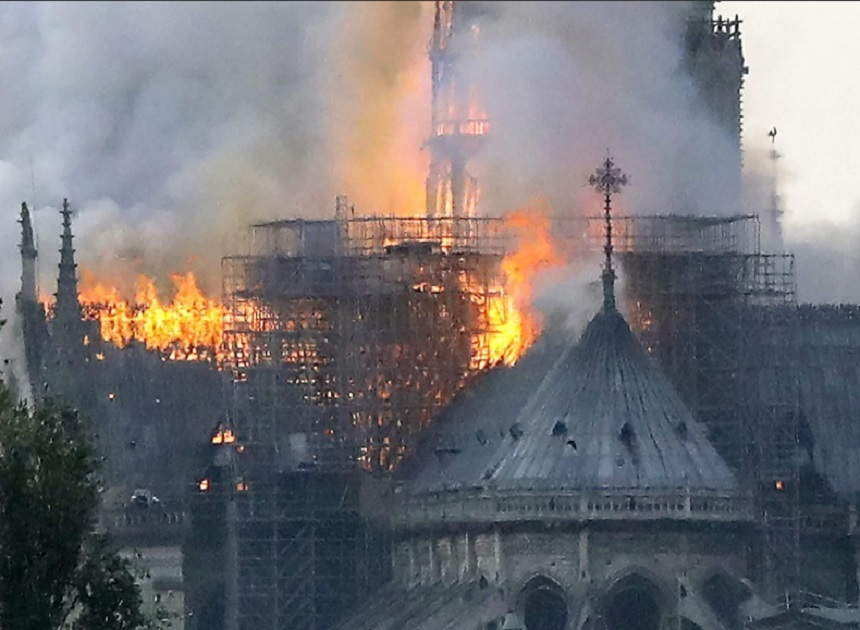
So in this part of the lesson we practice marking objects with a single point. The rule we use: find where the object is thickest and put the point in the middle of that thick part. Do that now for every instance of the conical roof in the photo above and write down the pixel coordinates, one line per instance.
(598, 414)
(594, 431)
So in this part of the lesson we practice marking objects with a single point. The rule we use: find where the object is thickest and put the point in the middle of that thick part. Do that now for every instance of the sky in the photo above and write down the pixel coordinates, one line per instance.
(804, 80)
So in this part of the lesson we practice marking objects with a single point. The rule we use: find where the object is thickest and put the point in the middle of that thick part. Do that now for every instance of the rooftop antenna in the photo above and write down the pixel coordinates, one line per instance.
(609, 180)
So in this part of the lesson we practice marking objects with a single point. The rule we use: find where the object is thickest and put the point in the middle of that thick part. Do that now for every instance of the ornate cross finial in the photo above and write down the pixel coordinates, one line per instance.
(609, 180)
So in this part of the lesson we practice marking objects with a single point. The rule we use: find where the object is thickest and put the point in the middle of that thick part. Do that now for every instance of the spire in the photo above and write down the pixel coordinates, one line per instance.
(609, 180)
(775, 215)
(28, 257)
(68, 307)
(459, 125)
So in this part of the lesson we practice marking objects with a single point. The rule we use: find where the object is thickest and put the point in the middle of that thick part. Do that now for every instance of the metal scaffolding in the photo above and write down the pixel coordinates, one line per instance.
(362, 329)
(301, 543)
(346, 338)
(773, 395)
(721, 319)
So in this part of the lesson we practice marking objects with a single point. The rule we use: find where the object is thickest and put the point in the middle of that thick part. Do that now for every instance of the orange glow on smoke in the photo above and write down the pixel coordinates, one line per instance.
(515, 322)
(378, 97)
(189, 328)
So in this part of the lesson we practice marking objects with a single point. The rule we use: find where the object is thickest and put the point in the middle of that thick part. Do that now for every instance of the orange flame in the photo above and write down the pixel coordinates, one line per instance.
(189, 328)
(514, 323)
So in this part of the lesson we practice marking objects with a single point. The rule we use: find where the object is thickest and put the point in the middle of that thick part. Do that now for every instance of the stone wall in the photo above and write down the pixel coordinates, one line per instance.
(586, 562)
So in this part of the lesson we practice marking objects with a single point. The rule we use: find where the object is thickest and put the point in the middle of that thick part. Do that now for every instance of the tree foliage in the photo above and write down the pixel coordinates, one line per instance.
(54, 570)
(106, 589)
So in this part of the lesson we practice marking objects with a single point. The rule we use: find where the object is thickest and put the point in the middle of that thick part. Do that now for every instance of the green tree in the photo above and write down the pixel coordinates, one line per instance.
(55, 572)
(48, 502)
(106, 590)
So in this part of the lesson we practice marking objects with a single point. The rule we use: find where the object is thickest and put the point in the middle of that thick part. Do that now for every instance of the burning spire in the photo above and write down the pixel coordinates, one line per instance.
(609, 180)
(28, 257)
(459, 124)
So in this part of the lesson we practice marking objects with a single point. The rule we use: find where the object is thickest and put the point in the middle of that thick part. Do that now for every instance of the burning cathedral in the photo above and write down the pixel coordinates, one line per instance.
(370, 430)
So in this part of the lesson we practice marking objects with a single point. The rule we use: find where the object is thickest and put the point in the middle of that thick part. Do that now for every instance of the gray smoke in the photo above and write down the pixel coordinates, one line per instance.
(827, 260)
(825, 252)
(170, 126)
(566, 81)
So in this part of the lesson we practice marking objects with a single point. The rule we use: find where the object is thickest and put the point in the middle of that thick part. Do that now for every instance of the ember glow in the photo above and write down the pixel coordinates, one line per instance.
(188, 328)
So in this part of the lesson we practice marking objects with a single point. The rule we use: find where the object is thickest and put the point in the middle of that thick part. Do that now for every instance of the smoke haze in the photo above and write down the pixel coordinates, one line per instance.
(566, 81)
(170, 126)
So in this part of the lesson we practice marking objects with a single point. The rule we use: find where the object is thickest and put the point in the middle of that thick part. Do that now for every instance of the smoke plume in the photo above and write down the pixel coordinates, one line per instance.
(171, 126)
(566, 81)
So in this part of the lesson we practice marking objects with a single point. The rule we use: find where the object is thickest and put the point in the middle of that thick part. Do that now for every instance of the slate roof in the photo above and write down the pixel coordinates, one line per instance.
(593, 414)
(461, 606)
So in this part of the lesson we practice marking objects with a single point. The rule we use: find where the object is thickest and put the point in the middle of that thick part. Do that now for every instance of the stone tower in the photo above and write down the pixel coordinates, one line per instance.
(714, 58)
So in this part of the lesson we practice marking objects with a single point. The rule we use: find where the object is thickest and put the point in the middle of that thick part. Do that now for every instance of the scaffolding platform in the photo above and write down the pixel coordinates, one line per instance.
(345, 339)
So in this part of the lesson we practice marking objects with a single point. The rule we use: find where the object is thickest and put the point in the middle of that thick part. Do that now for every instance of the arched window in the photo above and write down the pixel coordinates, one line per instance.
(632, 604)
(724, 595)
(544, 605)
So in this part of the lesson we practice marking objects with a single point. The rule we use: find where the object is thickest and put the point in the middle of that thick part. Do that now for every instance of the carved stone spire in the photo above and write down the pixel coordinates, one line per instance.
(609, 180)
(28, 257)
(68, 309)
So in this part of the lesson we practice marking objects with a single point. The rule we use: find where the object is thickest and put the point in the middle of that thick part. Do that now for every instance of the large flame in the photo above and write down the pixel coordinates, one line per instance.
(514, 323)
(191, 326)
(188, 328)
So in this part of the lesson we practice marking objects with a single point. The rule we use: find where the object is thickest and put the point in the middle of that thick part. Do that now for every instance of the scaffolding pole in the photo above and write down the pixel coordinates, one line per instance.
(346, 338)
